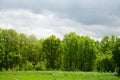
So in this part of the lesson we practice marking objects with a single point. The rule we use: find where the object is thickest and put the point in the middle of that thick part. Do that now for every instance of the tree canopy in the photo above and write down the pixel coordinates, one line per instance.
(74, 52)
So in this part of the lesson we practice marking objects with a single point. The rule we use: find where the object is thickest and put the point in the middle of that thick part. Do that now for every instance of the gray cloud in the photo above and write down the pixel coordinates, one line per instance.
(48, 23)
(94, 18)
(88, 12)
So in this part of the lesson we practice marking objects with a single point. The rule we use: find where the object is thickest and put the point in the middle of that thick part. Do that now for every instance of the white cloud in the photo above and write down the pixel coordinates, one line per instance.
(47, 23)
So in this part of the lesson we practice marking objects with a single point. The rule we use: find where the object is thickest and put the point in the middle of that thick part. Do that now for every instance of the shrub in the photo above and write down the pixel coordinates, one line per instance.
(40, 66)
(15, 68)
(105, 64)
(28, 66)
(118, 70)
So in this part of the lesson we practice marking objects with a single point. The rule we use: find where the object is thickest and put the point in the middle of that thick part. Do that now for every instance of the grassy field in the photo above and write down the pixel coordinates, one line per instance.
(56, 75)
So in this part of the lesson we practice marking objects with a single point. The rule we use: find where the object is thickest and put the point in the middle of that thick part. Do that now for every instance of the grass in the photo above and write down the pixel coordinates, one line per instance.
(56, 75)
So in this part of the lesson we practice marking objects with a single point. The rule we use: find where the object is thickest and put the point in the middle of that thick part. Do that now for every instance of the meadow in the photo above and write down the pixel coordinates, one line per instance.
(56, 75)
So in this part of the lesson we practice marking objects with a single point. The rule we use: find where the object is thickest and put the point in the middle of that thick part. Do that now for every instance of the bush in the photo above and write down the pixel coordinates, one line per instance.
(3, 69)
(105, 64)
(118, 70)
(16, 68)
(28, 66)
(40, 66)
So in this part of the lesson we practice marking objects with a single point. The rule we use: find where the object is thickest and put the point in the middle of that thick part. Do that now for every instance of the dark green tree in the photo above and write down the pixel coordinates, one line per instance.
(116, 54)
(1, 51)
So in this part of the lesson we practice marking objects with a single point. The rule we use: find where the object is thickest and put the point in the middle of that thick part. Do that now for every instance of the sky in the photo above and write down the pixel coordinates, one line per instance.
(43, 18)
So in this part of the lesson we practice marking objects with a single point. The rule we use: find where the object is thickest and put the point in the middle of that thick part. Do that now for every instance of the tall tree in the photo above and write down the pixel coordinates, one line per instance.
(9, 38)
(1, 51)
(50, 48)
(23, 48)
(79, 52)
(70, 43)
(116, 54)
(87, 54)
(105, 49)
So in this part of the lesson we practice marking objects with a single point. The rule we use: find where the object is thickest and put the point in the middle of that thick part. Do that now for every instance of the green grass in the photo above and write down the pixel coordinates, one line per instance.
(56, 75)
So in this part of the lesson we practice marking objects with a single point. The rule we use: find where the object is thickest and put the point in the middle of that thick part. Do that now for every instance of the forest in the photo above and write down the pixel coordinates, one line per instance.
(19, 52)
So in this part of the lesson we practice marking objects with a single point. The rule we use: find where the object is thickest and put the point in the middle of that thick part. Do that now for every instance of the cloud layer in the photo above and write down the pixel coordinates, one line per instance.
(43, 18)
(103, 12)
(48, 23)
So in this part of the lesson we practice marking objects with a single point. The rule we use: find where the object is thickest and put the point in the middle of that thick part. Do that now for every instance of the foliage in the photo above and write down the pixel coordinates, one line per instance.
(116, 54)
(28, 66)
(73, 53)
(40, 66)
(105, 63)
(79, 52)
(50, 48)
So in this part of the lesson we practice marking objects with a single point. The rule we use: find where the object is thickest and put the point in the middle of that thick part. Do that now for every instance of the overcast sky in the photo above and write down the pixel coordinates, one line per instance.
(94, 18)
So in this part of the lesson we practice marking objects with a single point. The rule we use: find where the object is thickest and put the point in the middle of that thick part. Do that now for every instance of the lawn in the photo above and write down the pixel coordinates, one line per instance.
(56, 75)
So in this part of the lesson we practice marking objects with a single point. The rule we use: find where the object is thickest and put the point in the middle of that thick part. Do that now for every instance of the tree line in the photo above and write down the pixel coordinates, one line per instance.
(72, 53)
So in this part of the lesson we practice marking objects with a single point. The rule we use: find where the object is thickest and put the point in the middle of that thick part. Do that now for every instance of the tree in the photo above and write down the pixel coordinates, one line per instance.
(79, 52)
(87, 54)
(1, 51)
(70, 43)
(116, 54)
(9, 38)
(74, 52)
(33, 51)
(104, 59)
(23, 48)
(41, 55)
(107, 44)
(50, 48)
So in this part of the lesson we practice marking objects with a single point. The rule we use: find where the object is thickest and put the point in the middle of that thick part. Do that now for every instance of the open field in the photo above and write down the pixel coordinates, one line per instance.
(56, 75)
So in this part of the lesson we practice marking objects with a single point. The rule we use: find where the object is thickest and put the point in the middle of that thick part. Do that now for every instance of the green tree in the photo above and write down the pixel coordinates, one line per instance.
(116, 54)
(33, 51)
(23, 48)
(1, 51)
(105, 49)
(105, 63)
(74, 52)
(70, 43)
(107, 44)
(87, 54)
(39, 46)
(79, 52)
(9, 38)
(50, 48)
